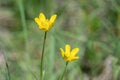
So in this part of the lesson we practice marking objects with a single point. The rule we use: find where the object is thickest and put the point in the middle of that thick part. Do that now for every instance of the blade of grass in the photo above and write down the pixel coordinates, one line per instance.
(52, 55)
(23, 21)
(8, 71)
(7, 68)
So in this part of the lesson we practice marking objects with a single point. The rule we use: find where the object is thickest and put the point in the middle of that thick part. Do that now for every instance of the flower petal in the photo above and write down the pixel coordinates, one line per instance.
(42, 17)
(53, 18)
(74, 51)
(67, 49)
(74, 58)
(37, 20)
(43, 28)
(62, 52)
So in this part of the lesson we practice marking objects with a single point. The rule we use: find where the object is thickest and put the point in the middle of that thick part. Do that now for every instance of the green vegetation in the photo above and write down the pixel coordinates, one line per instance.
(91, 25)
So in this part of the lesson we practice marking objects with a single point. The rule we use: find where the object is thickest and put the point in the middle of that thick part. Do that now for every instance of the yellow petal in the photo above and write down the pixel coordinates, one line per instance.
(72, 58)
(62, 52)
(43, 28)
(53, 18)
(37, 20)
(42, 17)
(74, 51)
(67, 49)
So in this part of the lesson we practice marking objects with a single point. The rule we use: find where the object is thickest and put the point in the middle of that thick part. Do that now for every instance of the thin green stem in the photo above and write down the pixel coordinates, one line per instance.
(64, 71)
(42, 58)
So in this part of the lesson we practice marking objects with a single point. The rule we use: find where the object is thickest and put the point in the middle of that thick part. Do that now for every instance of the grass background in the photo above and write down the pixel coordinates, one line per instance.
(91, 25)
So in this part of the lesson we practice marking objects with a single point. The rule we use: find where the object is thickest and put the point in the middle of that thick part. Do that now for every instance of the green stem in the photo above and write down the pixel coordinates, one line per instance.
(64, 71)
(42, 58)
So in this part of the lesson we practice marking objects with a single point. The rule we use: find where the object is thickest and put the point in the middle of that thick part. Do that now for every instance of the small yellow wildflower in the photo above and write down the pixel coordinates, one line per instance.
(69, 55)
(45, 24)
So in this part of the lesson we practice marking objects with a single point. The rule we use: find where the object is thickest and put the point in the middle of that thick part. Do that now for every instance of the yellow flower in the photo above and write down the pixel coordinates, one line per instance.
(45, 24)
(69, 55)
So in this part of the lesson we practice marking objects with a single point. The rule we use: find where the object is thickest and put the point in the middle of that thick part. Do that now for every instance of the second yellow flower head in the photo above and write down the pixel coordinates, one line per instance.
(69, 55)
(45, 24)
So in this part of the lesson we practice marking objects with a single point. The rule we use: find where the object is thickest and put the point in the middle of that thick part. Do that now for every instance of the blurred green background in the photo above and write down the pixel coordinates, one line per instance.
(91, 25)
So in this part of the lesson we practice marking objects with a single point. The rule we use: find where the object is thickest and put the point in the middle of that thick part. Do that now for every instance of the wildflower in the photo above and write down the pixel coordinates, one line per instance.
(45, 24)
(69, 55)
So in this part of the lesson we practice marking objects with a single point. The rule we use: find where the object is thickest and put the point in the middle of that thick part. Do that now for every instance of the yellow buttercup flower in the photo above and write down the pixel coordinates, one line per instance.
(69, 55)
(45, 24)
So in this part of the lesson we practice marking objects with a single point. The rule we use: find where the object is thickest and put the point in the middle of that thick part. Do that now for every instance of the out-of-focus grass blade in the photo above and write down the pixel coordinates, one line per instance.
(23, 21)
(8, 77)
(51, 56)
